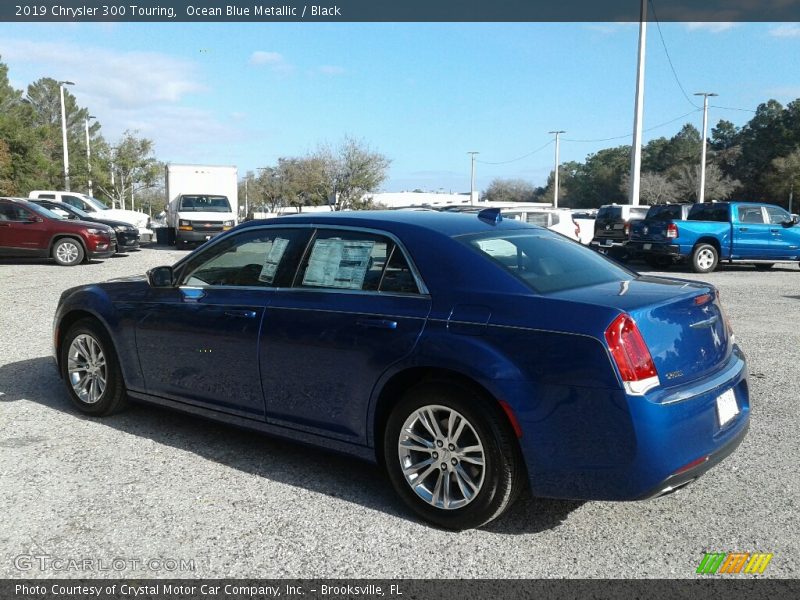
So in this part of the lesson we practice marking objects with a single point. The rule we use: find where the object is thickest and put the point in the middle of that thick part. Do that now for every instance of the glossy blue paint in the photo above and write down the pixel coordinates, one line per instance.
(311, 364)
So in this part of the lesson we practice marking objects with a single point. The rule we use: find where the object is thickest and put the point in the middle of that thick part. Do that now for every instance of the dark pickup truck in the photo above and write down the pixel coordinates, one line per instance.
(714, 232)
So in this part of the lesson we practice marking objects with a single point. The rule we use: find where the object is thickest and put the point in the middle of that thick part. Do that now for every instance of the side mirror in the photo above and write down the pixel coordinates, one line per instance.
(160, 277)
(791, 221)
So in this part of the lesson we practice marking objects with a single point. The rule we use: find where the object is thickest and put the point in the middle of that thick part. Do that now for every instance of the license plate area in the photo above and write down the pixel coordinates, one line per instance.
(727, 408)
(647, 246)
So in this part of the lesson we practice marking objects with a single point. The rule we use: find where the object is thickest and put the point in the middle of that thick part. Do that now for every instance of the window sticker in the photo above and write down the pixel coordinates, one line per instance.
(274, 253)
(338, 264)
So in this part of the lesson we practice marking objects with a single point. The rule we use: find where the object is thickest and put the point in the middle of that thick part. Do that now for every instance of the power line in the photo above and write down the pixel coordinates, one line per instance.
(505, 162)
(621, 137)
(669, 58)
(733, 108)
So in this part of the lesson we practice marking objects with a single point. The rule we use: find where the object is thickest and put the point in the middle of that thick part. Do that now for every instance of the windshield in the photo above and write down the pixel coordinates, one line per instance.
(610, 212)
(201, 203)
(547, 262)
(95, 202)
(665, 213)
(45, 212)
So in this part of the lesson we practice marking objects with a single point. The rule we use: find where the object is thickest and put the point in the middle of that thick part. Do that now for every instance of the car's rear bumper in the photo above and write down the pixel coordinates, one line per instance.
(607, 445)
(654, 248)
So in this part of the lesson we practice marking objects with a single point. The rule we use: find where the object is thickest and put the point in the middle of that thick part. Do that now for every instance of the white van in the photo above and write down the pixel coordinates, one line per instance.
(88, 204)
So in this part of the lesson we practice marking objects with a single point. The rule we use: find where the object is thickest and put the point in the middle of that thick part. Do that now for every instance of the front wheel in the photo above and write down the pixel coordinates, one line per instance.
(452, 457)
(704, 258)
(68, 252)
(90, 369)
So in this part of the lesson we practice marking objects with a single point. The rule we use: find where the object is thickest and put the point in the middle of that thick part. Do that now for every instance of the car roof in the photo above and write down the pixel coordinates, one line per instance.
(446, 223)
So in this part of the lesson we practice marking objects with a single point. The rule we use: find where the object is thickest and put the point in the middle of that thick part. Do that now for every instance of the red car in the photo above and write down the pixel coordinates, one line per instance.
(30, 230)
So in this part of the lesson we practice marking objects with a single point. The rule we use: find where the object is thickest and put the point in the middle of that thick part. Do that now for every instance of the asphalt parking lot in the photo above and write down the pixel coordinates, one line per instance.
(149, 483)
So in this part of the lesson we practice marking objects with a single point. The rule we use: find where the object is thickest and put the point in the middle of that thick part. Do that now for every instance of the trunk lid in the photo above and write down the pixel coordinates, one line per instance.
(681, 322)
(649, 230)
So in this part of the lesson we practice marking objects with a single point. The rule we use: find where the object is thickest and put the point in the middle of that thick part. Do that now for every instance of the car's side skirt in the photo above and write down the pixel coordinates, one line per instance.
(286, 433)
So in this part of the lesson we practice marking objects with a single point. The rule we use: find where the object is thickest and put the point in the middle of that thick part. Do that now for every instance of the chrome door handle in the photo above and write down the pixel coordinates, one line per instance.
(377, 323)
(249, 314)
(743, 229)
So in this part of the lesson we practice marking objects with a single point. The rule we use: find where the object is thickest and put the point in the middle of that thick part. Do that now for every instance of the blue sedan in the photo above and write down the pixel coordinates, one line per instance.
(471, 356)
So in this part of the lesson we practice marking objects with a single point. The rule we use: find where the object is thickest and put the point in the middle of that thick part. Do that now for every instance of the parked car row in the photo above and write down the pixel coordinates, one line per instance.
(702, 235)
(51, 229)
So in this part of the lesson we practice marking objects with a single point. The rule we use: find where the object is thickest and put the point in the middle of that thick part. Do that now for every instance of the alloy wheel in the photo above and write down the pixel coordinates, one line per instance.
(86, 365)
(442, 457)
(67, 252)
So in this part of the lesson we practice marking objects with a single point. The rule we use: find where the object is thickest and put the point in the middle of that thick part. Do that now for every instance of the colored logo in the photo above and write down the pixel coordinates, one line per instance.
(734, 562)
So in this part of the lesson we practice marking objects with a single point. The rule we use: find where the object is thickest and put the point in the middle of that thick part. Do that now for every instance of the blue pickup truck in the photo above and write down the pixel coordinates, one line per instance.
(714, 232)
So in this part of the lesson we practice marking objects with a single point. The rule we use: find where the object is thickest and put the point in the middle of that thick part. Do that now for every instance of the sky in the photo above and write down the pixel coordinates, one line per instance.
(423, 94)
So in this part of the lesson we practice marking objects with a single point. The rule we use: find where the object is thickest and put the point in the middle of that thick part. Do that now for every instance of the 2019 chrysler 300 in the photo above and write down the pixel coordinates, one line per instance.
(468, 354)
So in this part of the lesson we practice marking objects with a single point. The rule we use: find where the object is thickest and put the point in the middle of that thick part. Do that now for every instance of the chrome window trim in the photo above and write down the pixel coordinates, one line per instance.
(423, 290)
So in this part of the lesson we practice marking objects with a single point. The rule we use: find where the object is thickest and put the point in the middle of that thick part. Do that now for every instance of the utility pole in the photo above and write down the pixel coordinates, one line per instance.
(472, 179)
(638, 113)
(555, 169)
(61, 85)
(246, 212)
(701, 194)
(89, 154)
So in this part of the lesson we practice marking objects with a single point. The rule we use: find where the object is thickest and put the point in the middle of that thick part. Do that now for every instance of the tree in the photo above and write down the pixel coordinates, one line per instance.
(687, 183)
(135, 169)
(783, 179)
(351, 171)
(654, 188)
(511, 190)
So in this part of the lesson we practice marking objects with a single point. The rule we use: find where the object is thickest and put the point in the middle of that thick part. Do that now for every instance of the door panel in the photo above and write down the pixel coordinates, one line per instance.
(751, 235)
(20, 233)
(204, 350)
(323, 351)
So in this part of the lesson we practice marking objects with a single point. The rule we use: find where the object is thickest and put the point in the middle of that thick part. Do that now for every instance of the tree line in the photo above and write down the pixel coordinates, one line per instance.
(31, 148)
(759, 161)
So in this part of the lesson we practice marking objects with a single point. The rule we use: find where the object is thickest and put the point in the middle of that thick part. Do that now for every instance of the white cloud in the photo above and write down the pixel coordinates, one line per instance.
(144, 91)
(259, 57)
(331, 70)
(786, 30)
(711, 26)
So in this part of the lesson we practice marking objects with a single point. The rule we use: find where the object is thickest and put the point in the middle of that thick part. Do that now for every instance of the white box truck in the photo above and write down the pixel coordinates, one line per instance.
(202, 201)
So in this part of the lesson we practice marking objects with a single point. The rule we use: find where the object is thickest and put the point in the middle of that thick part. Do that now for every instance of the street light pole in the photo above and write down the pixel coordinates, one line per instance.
(701, 195)
(555, 170)
(472, 178)
(638, 112)
(61, 85)
(89, 154)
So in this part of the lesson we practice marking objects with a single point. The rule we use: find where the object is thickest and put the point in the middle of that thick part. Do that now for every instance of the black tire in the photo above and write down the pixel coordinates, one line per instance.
(503, 474)
(705, 258)
(68, 252)
(113, 396)
(763, 266)
(170, 236)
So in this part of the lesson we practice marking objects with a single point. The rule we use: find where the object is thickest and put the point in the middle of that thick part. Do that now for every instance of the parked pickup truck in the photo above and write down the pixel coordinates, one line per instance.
(732, 232)
(656, 214)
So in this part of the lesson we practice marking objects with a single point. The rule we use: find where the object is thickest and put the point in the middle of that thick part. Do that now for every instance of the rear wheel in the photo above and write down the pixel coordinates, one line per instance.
(90, 369)
(704, 258)
(763, 266)
(452, 457)
(68, 252)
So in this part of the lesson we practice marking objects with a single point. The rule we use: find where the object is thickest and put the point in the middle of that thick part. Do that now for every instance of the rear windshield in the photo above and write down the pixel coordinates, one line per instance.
(610, 212)
(200, 203)
(546, 262)
(671, 212)
(709, 212)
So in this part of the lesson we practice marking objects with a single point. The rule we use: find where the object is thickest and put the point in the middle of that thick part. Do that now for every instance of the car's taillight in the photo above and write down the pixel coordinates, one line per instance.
(672, 231)
(627, 229)
(631, 355)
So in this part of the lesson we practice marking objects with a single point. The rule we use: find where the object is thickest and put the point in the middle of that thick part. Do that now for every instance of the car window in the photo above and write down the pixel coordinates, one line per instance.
(664, 212)
(355, 260)
(537, 218)
(609, 212)
(750, 214)
(203, 203)
(545, 262)
(777, 215)
(638, 212)
(47, 196)
(13, 212)
(72, 200)
(260, 258)
(709, 212)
